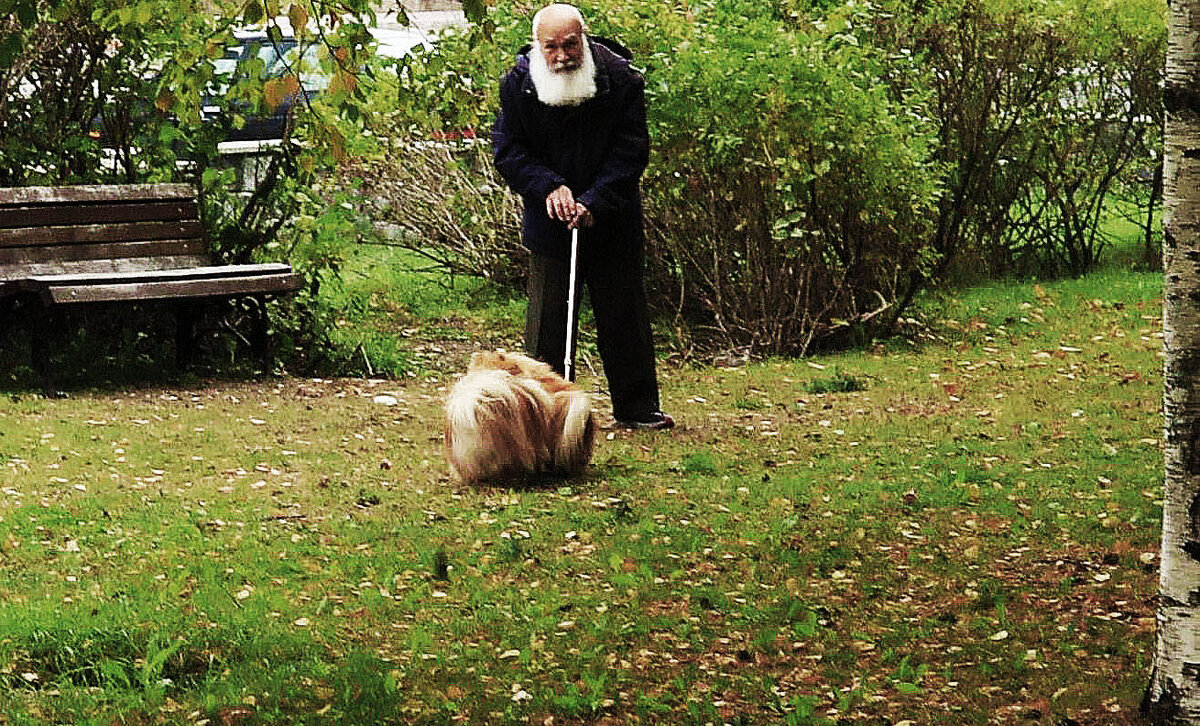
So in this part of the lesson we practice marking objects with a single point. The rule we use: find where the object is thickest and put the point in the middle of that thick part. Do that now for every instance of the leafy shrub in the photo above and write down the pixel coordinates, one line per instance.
(445, 202)
(814, 166)
(54, 85)
(427, 173)
(131, 76)
(780, 195)
(788, 195)
(1040, 107)
(1106, 124)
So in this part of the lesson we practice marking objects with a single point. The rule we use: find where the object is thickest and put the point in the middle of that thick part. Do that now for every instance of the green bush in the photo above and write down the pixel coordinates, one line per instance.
(781, 192)
(1041, 107)
(425, 172)
(814, 166)
(445, 202)
(790, 192)
(1102, 132)
(131, 76)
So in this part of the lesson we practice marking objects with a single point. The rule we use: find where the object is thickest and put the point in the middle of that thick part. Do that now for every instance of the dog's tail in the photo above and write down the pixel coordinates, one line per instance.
(577, 423)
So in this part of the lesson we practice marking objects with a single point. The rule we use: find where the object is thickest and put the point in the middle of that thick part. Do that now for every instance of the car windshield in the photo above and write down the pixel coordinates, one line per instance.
(269, 52)
(278, 59)
(227, 64)
(306, 63)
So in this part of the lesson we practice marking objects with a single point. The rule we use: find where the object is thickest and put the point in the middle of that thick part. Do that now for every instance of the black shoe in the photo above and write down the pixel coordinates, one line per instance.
(651, 421)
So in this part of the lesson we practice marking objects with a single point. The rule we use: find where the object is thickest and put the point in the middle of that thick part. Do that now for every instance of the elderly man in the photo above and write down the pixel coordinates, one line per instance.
(571, 139)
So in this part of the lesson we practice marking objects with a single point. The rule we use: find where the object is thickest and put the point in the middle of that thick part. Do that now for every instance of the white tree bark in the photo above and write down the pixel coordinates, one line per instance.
(1173, 695)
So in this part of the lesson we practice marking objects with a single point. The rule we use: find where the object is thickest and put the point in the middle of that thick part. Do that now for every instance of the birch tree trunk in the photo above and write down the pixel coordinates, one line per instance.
(1173, 695)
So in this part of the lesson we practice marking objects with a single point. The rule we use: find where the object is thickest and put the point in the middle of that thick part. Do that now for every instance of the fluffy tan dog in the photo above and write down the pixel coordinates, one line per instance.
(512, 415)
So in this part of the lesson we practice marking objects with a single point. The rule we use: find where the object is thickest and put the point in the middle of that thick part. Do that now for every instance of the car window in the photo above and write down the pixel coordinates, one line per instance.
(269, 52)
(227, 64)
(306, 63)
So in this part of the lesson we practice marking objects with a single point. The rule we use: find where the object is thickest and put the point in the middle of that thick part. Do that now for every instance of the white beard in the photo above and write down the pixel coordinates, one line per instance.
(562, 88)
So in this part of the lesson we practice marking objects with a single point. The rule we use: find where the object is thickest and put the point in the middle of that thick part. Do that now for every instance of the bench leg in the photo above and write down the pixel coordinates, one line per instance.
(187, 312)
(260, 339)
(41, 329)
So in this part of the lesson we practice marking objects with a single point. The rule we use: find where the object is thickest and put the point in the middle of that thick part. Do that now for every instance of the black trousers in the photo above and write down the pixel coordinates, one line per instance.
(623, 333)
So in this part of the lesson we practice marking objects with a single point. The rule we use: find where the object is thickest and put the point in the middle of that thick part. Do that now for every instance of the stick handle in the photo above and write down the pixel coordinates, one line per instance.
(569, 353)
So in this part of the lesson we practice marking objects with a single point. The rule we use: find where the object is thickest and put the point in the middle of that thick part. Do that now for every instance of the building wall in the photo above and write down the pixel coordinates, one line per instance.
(416, 6)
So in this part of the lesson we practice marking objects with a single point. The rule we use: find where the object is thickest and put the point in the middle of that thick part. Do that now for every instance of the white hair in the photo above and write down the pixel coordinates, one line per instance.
(561, 7)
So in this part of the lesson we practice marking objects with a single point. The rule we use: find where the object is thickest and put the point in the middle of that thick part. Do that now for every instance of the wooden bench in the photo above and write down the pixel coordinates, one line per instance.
(78, 245)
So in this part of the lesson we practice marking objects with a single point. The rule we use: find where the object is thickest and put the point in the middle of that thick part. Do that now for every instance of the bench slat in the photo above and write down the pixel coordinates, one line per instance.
(124, 193)
(222, 287)
(119, 265)
(58, 215)
(93, 233)
(16, 261)
(211, 272)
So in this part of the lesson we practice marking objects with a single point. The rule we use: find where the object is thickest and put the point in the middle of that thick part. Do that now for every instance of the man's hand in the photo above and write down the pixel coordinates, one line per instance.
(583, 218)
(561, 205)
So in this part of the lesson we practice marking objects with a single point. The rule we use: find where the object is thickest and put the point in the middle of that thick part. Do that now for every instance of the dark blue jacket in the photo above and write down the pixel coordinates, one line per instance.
(599, 149)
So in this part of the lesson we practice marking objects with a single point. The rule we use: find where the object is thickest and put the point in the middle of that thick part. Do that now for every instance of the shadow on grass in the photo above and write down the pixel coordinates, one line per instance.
(588, 481)
(120, 348)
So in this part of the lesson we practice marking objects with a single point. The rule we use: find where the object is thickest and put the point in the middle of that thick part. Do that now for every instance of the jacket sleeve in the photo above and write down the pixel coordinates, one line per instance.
(617, 182)
(524, 173)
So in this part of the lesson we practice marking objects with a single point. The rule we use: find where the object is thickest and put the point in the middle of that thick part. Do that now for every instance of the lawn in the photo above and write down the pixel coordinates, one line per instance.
(958, 526)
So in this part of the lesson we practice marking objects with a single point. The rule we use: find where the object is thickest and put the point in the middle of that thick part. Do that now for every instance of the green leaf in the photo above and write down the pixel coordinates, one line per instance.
(252, 13)
(298, 16)
(114, 673)
(475, 10)
(10, 47)
(27, 12)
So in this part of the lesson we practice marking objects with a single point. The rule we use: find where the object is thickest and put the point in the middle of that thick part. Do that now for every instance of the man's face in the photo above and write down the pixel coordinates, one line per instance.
(562, 45)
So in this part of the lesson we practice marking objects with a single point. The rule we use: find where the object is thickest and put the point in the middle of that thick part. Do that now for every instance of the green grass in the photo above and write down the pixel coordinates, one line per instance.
(838, 382)
(392, 319)
(969, 536)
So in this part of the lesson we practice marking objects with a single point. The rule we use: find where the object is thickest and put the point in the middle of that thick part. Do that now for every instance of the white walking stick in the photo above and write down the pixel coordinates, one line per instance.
(569, 354)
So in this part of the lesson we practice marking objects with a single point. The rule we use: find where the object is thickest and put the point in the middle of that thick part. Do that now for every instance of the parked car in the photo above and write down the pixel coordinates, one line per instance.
(117, 127)
(277, 57)
(280, 57)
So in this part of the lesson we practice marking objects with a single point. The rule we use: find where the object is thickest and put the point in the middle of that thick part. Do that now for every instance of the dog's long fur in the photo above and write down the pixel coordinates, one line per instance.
(512, 415)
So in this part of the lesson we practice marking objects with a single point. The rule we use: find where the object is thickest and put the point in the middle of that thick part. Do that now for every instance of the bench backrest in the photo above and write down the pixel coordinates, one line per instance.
(109, 228)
